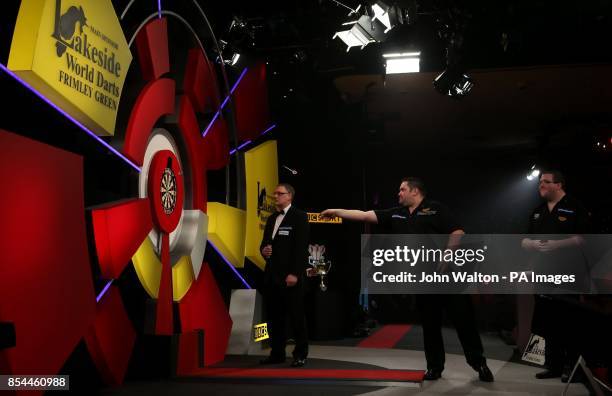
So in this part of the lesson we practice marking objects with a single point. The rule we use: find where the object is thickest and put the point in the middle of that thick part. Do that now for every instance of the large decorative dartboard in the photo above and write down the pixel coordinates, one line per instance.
(172, 128)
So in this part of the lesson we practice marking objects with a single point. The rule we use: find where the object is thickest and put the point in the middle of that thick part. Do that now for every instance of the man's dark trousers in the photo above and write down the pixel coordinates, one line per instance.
(286, 303)
(461, 312)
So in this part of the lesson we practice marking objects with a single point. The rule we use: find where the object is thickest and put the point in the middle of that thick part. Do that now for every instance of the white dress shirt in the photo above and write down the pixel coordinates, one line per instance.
(279, 220)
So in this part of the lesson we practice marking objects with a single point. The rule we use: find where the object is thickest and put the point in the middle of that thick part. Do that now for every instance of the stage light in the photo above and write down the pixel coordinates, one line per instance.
(533, 173)
(383, 13)
(373, 23)
(235, 58)
(391, 16)
(454, 84)
(362, 33)
(407, 62)
(229, 53)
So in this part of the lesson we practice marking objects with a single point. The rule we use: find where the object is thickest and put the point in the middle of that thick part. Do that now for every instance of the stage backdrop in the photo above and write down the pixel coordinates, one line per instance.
(261, 168)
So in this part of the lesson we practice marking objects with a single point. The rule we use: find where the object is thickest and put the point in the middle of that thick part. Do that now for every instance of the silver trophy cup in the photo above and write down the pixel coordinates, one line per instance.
(322, 268)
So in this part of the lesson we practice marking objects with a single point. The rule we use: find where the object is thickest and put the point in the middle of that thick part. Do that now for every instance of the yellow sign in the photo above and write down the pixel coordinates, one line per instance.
(226, 231)
(260, 332)
(73, 52)
(261, 168)
(316, 218)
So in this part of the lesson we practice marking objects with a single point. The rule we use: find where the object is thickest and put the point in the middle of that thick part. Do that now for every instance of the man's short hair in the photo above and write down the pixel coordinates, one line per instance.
(289, 189)
(558, 177)
(415, 182)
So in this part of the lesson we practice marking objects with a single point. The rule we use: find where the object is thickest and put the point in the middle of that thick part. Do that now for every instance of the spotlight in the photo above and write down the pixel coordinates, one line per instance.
(373, 22)
(533, 173)
(363, 32)
(389, 16)
(229, 53)
(407, 62)
(233, 60)
(454, 84)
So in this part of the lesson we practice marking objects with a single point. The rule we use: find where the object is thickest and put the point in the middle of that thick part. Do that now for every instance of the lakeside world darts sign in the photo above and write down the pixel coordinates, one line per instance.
(73, 52)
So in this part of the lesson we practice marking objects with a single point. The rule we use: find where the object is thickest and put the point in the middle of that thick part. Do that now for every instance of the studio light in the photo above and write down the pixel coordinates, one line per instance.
(454, 84)
(234, 59)
(363, 32)
(386, 15)
(397, 63)
(229, 53)
(533, 173)
(371, 23)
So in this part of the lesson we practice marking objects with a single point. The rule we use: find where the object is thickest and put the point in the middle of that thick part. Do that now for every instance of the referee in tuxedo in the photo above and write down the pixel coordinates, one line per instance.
(285, 248)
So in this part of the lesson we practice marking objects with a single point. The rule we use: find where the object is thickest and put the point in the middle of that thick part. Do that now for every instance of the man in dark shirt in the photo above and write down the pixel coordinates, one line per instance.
(419, 215)
(558, 214)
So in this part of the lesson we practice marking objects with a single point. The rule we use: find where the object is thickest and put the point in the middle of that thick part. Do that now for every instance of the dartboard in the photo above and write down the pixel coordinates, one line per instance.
(167, 190)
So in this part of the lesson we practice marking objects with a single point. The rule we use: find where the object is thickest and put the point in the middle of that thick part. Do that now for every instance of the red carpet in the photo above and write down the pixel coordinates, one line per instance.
(302, 373)
(386, 337)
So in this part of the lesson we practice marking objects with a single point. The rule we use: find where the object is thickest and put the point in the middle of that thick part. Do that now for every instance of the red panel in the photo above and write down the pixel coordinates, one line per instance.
(164, 324)
(152, 45)
(45, 278)
(200, 82)
(251, 102)
(119, 229)
(188, 353)
(111, 338)
(155, 101)
(216, 145)
(195, 148)
(204, 308)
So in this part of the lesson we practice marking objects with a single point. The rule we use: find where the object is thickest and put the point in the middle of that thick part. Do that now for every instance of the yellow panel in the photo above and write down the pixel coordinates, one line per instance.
(226, 231)
(182, 277)
(261, 169)
(25, 35)
(76, 55)
(148, 267)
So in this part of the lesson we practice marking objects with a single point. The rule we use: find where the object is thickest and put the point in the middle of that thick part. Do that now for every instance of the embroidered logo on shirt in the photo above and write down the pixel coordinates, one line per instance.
(283, 232)
(536, 216)
(398, 216)
(565, 211)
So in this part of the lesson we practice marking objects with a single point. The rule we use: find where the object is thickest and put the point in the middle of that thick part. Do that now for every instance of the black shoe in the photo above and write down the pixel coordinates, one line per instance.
(298, 362)
(549, 373)
(432, 374)
(484, 374)
(272, 360)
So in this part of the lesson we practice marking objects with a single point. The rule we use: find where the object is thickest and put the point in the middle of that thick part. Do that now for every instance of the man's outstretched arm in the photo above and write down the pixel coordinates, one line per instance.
(351, 214)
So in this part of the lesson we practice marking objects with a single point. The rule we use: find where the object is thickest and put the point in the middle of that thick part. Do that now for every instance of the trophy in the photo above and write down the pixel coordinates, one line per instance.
(320, 266)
